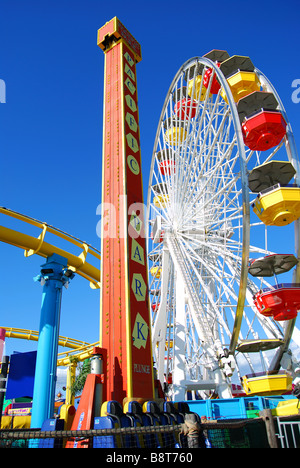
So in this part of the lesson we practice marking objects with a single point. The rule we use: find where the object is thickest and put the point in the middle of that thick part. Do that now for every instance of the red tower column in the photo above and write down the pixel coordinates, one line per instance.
(125, 327)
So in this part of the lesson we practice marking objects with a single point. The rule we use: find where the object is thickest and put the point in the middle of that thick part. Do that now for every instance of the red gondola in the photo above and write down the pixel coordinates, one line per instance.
(281, 302)
(264, 130)
(217, 56)
(166, 167)
(215, 85)
(185, 109)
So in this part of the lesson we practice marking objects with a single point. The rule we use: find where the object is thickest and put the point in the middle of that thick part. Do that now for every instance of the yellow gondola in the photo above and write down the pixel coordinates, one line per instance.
(263, 384)
(240, 74)
(161, 201)
(175, 131)
(175, 135)
(155, 271)
(241, 84)
(278, 206)
(197, 87)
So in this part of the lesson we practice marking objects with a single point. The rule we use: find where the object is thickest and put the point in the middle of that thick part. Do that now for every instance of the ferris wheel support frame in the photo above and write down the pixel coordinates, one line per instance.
(159, 331)
(184, 292)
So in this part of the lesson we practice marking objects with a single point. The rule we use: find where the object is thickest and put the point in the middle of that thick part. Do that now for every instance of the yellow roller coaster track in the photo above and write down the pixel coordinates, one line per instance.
(33, 335)
(78, 349)
(80, 354)
(37, 245)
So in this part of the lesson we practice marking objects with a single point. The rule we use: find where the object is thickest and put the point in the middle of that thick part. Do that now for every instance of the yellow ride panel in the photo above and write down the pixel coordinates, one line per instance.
(286, 408)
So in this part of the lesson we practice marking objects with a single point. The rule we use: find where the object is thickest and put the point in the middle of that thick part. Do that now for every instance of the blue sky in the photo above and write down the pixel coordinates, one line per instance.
(51, 123)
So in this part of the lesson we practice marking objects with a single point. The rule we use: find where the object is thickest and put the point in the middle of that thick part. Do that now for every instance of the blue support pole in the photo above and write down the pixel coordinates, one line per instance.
(54, 275)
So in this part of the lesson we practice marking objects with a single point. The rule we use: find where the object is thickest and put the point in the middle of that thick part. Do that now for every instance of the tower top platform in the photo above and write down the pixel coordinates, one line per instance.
(113, 31)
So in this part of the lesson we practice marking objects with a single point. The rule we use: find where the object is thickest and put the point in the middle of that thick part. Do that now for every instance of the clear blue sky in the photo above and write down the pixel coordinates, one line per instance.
(51, 123)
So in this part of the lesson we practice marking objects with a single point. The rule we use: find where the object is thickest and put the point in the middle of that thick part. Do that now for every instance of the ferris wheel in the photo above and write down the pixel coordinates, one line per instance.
(223, 185)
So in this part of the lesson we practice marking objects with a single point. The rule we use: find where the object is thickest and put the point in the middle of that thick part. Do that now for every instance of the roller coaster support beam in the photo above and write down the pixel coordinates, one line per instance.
(54, 275)
(71, 374)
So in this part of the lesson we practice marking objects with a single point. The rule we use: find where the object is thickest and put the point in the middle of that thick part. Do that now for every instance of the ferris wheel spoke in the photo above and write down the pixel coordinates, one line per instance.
(214, 314)
(205, 185)
(205, 152)
(213, 170)
(209, 263)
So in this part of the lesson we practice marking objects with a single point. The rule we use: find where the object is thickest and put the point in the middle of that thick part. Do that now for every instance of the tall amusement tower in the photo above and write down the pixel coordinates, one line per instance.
(124, 310)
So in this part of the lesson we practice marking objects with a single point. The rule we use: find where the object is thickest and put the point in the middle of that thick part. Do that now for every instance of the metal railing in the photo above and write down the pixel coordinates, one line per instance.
(288, 433)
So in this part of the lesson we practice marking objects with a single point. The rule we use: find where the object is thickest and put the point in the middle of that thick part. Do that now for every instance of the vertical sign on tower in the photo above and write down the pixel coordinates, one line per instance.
(124, 315)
